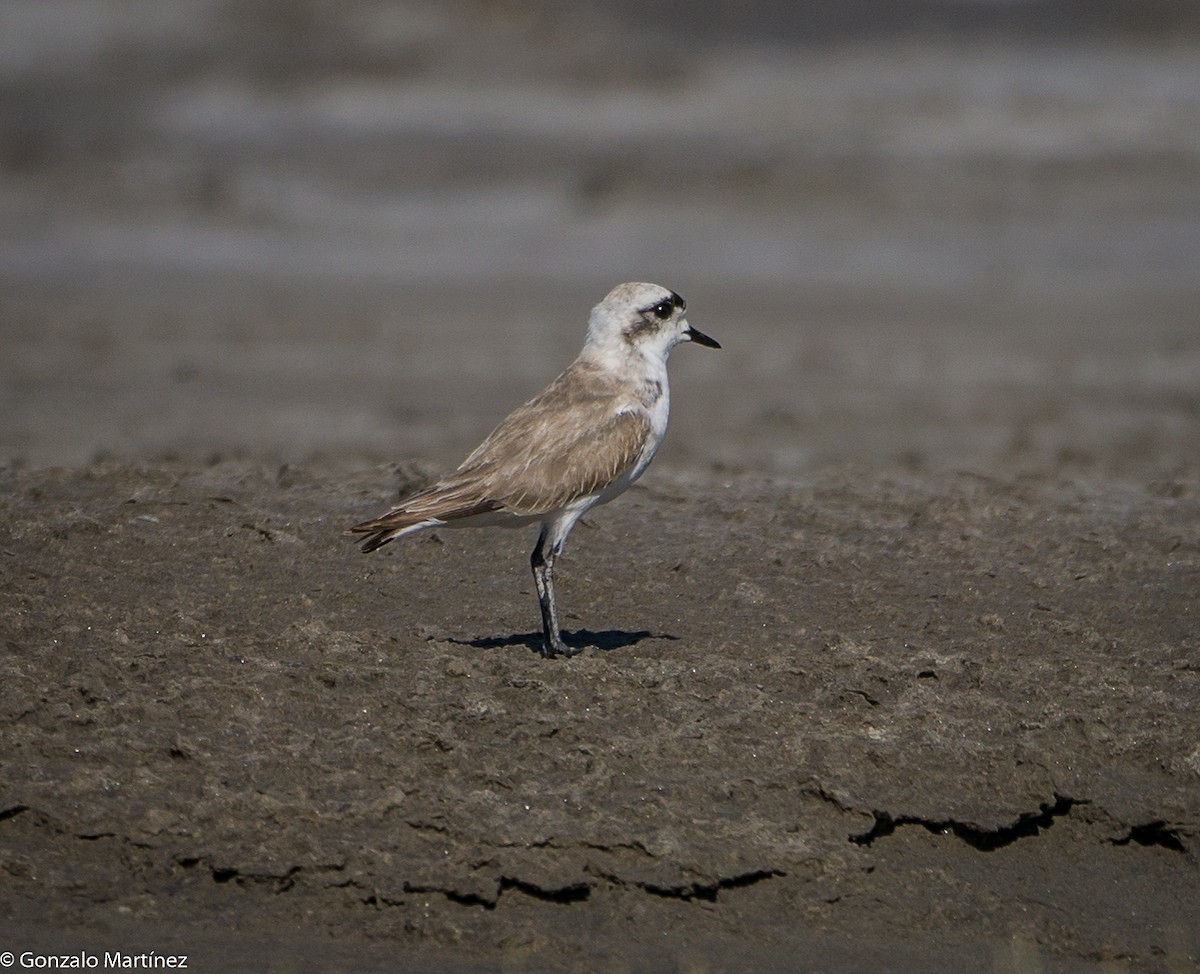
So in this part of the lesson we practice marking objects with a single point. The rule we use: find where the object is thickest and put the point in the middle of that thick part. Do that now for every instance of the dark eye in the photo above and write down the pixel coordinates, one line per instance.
(663, 310)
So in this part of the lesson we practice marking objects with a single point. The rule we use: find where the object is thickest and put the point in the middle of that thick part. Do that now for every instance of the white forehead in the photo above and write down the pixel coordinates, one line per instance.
(634, 296)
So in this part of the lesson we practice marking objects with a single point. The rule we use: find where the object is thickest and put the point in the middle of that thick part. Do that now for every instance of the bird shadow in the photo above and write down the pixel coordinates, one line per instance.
(605, 640)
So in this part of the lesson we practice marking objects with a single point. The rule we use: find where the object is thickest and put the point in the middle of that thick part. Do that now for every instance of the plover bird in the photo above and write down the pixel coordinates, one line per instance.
(582, 441)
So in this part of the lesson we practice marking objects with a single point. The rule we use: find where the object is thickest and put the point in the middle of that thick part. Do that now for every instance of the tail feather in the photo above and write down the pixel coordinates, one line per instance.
(377, 540)
(381, 530)
(402, 520)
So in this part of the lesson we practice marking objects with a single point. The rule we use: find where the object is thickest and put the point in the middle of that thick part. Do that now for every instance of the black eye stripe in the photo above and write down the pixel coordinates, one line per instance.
(666, 307)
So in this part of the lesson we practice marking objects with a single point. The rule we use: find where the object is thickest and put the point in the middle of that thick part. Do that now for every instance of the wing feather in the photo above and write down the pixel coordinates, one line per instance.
(571, 440)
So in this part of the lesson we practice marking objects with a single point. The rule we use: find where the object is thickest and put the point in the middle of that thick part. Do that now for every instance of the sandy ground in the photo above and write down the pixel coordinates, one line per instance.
(892, 658)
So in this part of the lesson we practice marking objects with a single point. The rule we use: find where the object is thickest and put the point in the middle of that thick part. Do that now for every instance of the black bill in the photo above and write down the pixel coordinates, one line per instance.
(697, 336)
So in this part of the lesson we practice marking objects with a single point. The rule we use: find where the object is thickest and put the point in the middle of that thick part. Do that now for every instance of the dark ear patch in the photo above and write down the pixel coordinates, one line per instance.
(647, 323)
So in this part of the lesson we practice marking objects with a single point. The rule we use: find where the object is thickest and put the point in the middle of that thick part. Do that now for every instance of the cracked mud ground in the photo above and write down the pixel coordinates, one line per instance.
(937, 723)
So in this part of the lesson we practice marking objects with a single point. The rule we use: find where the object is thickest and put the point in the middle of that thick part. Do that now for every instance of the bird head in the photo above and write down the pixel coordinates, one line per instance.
(642, 318)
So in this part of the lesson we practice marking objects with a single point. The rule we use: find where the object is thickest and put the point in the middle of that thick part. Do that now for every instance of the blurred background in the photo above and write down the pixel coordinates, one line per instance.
(931, 234)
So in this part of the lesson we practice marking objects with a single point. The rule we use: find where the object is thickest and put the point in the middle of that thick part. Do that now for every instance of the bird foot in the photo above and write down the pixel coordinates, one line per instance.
(556, 647)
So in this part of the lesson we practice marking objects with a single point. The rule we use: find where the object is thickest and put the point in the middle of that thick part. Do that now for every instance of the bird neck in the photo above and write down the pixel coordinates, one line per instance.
(623, 359)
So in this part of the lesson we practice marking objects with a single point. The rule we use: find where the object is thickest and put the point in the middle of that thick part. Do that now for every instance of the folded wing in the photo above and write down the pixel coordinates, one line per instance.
(566, 443)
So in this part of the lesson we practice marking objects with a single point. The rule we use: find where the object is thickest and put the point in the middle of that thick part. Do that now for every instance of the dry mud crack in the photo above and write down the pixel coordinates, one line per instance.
(1027, 825)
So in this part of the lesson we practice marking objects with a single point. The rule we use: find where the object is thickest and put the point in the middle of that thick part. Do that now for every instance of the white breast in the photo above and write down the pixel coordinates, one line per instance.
(657, 412)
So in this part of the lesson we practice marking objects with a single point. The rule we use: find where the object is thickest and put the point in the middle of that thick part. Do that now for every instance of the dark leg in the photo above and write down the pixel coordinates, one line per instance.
(543, 578)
